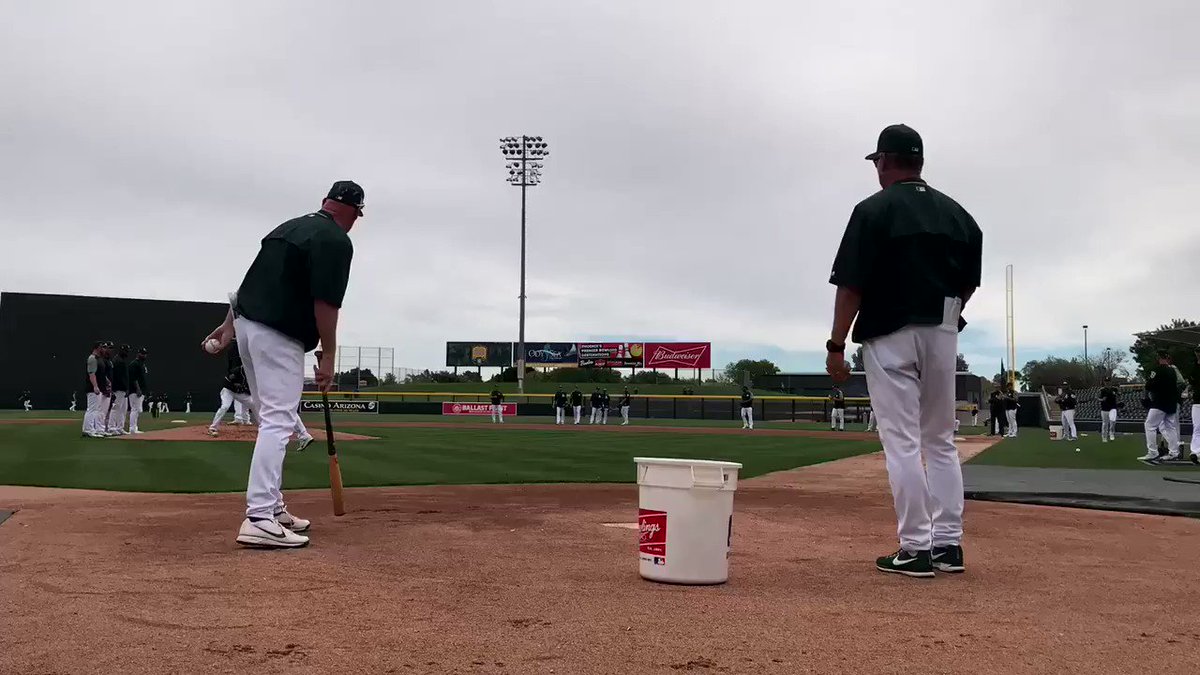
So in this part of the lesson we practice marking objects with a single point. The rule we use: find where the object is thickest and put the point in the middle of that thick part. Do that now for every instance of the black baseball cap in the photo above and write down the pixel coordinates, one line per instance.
(898, 139)
(347, 192)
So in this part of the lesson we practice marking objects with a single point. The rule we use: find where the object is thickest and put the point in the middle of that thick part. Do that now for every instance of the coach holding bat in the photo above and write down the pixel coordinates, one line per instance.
(288, 301)
(909, 261)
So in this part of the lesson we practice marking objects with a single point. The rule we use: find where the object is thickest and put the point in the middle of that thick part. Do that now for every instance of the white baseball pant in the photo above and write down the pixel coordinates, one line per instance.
(93, 413)
(748, 418)
(604, 415)
(1157, 422)
(624, 414)
(870, 420)
(229, 398)
(101, 422)
(239, 413)
(838, 419)
(135, 411)
(274, 366)
(559, 414)
(578, 413)
(1195, 442)
(1068, 422)
(1108, 425)
(497, 413)
(120, 408)
(595, 414)
(1012, 422)
(910, 374)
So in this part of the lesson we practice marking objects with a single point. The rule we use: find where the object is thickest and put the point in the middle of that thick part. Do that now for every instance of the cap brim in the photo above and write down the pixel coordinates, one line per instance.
(873, 156)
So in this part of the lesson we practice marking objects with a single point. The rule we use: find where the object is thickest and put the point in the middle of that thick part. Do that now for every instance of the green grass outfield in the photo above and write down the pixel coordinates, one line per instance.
(55, 455)
(1033, 448)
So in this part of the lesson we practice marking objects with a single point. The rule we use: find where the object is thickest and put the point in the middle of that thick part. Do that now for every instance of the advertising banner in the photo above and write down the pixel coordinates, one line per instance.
(678, 355)
(339, 405)
(449, 408)
(548, 353)
(479, 354)
(610, 354)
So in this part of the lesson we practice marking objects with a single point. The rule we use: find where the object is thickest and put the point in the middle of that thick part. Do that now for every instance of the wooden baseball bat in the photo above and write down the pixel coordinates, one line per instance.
(335, 469)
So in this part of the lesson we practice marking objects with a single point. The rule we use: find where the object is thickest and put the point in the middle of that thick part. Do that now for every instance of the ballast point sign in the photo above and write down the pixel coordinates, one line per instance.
(485, 409)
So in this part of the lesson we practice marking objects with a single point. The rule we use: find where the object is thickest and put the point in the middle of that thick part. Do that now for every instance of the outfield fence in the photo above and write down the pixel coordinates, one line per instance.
(647, 406)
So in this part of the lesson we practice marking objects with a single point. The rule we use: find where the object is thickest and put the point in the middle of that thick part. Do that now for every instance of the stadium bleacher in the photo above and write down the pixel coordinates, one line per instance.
(1129, 405)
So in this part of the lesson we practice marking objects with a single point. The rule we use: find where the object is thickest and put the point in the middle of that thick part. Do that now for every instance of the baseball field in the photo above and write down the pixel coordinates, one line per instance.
(477, 548)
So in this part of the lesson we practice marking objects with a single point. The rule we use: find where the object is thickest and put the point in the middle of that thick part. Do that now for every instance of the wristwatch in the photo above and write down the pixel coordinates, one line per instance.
(834, 348)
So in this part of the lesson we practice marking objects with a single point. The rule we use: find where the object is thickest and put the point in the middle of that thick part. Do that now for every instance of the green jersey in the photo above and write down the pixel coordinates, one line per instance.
(301, 261)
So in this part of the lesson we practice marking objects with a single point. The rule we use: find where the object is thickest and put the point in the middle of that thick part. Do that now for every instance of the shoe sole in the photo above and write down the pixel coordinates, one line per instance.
(915, 575)
(263, 542)
(947, 567)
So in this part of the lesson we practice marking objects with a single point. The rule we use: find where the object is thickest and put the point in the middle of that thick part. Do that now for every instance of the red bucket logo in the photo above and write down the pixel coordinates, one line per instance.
(653, 528)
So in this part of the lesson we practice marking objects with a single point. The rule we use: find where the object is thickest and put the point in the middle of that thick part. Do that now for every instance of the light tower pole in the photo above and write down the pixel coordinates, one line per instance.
(524, 171)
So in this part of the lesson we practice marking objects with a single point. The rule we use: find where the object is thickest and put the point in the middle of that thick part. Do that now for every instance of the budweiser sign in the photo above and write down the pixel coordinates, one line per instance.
(678, 355)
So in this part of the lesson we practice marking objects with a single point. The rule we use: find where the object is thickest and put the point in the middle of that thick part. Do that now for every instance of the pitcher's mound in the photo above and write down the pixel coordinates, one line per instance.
(231, 432)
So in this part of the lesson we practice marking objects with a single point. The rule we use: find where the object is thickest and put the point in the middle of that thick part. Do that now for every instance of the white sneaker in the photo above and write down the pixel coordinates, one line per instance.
(1171, 456)
(137, 431)
(303, 442)
(624, 424)
(269, 534)
(1147, 457)
(292, 522)
(95, 434)
(212, 432)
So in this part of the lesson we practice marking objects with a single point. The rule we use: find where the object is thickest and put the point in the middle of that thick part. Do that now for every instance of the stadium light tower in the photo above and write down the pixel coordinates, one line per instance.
(524, 170)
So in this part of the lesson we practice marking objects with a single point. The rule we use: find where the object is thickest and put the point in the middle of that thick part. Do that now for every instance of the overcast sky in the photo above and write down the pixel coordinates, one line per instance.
(705, 158)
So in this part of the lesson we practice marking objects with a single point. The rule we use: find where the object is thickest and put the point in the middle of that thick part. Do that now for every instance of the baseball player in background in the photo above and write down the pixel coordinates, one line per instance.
(909, 261)
(92, 385)
(137, 389)
(837, 420)
(234, 387)
(624, 404)
(1162, 415)
(105, 379)
(187, 402)
(595, 405)
(26, 400)
(974, 415)
(604, 406)
(577, 404)
(747, 408)
(1108, 411)
(115, 424)
(497, 406)
(1066, 401)
(870, 419)
(560, 406)
(1010, 412)
(72, 407)
(288, 302)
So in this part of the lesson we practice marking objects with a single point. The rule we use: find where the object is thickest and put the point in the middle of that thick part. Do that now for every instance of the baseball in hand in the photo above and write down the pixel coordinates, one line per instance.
(212, 346)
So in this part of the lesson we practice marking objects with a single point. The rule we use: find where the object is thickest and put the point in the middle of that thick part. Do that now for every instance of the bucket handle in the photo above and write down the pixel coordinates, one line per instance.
(697, 480)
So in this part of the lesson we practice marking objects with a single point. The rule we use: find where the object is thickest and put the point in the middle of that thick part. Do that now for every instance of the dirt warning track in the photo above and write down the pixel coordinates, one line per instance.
(528, 580)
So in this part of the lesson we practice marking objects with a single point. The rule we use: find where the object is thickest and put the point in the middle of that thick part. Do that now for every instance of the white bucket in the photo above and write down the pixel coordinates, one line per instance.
(685, 519)
(1056, 432)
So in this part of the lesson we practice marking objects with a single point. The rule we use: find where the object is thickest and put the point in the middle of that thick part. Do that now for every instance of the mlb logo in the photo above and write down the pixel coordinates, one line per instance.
(660, 561)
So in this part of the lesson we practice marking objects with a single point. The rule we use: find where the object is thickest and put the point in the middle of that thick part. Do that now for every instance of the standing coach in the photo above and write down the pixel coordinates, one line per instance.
(287, 303)
(909, 261)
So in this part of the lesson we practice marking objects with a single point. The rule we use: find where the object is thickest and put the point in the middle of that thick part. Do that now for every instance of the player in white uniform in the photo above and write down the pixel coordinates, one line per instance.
(909, 260)
(289, 301)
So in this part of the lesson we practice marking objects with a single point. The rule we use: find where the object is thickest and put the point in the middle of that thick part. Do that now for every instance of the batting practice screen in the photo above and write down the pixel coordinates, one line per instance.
(45, 341)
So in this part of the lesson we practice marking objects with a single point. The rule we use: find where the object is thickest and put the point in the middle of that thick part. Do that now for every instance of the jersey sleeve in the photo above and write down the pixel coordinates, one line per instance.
(329, 268)
(91, 365)
(974, 268)
(856, 254)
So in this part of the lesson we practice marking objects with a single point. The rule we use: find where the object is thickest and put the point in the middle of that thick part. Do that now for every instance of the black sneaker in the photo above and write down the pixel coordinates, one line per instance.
(947, 559)
(1195, 459)
(909, 564)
